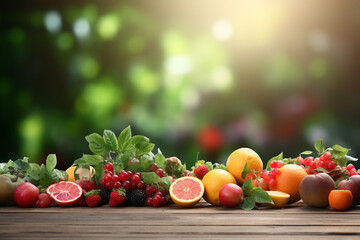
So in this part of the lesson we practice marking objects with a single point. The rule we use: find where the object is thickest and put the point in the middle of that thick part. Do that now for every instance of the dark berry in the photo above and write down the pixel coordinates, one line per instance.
(105, 195)
(136, 198)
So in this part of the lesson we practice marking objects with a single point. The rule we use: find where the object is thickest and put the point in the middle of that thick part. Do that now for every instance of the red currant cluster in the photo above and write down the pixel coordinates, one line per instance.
(127, 180)
(269, 176)
(328, 164)
(156, 198)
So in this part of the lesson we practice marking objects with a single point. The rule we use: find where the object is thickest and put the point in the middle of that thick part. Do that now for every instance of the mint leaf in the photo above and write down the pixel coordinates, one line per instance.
(110, 140)
(276, 158)
(61, 175)
(319, 146)
(143, 148)
(160, 159)
(45, 179)
(124, 138)
(33, 174)
(89, 160)
(166, 182)
(261, 196)
(96, 144)
(51, 162)
(219, 166)
(247, 186)
(245, 171)
(248, 203)
(321, 169)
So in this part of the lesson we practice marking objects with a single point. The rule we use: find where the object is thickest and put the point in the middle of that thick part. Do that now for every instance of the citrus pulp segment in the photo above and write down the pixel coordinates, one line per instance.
(186, 191)
(65, 193)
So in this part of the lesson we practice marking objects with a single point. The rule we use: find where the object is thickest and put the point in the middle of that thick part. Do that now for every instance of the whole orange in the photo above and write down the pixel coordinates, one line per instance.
(340, 199)
(236, 162)
(213, 182)
(289, 181)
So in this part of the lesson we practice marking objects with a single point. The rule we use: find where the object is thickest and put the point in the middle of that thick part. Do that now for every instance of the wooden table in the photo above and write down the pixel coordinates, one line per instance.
(200, 222)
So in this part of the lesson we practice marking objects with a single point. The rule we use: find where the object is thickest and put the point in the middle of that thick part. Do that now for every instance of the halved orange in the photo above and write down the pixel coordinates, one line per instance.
(186, 191)
(65, 193)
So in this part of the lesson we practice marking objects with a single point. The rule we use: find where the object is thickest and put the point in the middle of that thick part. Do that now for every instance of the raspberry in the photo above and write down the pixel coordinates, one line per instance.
(272, 182)
(274, 164)
(331, 165)
(277, 171)
(280, 164)
(201, 171)
(265, 175)
(350, 167)
(326, 156)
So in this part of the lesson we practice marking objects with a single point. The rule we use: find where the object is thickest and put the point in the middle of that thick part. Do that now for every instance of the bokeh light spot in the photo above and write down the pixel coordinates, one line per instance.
(178, 65)
(65, 41)
(31, 132)
(89, 67)
(318, 68)
(52, 21)
(145, 80)
(318, 41)
(174, 44)
(221, 78)
(222, 30)
(81, 28)
(108, 26)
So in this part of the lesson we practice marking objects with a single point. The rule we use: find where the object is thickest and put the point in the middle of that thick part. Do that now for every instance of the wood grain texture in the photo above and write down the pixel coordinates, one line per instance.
(200, 222)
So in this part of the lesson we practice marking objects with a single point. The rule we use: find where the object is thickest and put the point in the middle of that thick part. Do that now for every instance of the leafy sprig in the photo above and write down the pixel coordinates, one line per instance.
(253, 195)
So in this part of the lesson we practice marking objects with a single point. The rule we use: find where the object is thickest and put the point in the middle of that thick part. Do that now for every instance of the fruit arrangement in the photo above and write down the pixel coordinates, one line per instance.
(123, 171)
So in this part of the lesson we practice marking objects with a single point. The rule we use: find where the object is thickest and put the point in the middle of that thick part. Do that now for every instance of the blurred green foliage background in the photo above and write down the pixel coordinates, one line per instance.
(194, 76)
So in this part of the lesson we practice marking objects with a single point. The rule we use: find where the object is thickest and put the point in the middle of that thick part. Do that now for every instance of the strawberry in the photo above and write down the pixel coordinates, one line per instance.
(201, 171)
(117, 197)
(93, 198)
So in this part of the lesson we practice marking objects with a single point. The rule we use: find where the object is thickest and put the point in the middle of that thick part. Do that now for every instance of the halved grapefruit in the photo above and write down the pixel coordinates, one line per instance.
(65, 193)
(186, 191)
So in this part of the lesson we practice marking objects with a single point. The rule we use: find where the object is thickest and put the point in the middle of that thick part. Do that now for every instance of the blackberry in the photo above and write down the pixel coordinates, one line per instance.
(136, 198)
(105, 195)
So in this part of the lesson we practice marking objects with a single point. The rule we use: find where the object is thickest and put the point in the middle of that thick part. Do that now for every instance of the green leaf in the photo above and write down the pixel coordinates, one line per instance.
(110, 140)
(4, 168)
(340, 150)
(248, 203)
(245, 171)
(160, 159)
(20, 165)
(150, 178)
(219, 166)
(319, 146)
(33, 174)
(139, 139)
(306, 153)
(321, 169)
(89, 160)
(45, 178)
(261, 196)
(54, 177)
(96, 144)
(276, 158)
(51, 162)
(99, 169)
(124, 138)
(247, 186)
(143, 148)
(166, 182)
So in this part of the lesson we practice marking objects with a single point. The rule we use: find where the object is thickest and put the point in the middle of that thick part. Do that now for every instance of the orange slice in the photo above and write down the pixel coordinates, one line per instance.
(280, 199)
(186, 191)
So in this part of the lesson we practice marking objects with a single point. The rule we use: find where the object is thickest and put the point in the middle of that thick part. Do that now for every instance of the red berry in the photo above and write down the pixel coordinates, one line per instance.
(141, 185)
(109, 185)
(350, 166)
(117, 185)
(331, 165)
(319, 164)
(149, 201)
(115, 178)
(44, 200)
(127, 185)
(138, 174)
(312, 165)
(277, 171)
(326, 156)
(280, 164)
(107, 178)
(164, 192)
(109, 166)
(308, 161)
(133, 186)
(274, 164)
(265, 175)
(158, 194)
(163, 202)
(135, 179)
(123, 176)
(272, 182)
(149, 190)
(353, 172)
(155, 189)
(159, 172)
(156, 201)
(102, 182)
(129, 173)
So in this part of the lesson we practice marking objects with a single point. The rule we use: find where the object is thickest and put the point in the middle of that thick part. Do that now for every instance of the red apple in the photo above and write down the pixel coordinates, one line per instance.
(26, 195)
(352, 184)
(231, 195)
